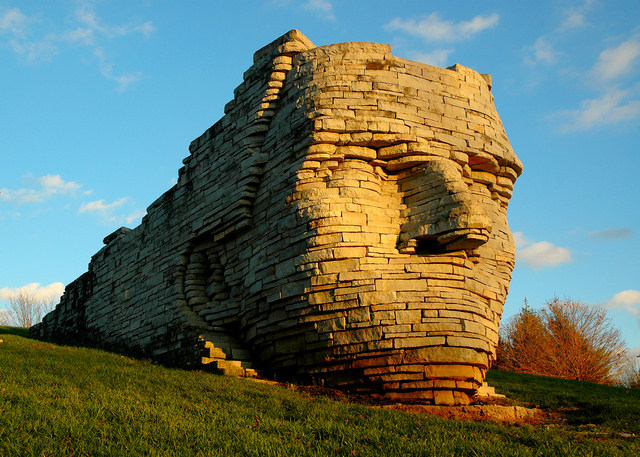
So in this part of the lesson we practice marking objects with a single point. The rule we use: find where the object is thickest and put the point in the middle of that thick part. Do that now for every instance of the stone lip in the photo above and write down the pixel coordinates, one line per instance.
(480, 412)
(490, 408)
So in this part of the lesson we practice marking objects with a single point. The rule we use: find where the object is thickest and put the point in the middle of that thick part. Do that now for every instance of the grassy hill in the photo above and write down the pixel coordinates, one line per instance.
(63, 401)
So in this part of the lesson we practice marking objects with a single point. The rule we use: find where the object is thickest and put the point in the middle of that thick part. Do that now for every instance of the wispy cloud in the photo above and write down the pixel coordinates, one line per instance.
(576, 17)
(541, 254)
(433, 29)
(16, 25)
(87, 17)
(617, 61)
(615, 106)
(101, 206)
(52, 291)
(35, 50)
(84, 28)
(124, 80)
(48, 187)
(108, 214)
(542, 52)
(324, 7)
(437, 57)
(616, 103)
(573, 20)
(521, 240)
(612, 103)
(45, 188)
(611, 234)
(13, 21)
(135, 216)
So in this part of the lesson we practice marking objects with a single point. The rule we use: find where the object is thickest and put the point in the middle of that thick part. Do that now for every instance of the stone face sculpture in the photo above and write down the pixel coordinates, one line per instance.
(345, 222)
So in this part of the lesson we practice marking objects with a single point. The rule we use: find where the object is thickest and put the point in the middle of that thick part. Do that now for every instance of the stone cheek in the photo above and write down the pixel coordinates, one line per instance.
(344, 221)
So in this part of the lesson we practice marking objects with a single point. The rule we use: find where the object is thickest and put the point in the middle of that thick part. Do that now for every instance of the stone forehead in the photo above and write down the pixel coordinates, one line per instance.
(449, 111)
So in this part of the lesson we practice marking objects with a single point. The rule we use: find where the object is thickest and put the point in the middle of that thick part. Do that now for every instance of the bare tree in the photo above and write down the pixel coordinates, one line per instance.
(565, 339)
(630, 372)
(521, 342)
(5, 317)
(588, 347)
(27, 310)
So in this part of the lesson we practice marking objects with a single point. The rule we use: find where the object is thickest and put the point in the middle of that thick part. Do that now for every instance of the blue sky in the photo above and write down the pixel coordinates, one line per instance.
(100, 100)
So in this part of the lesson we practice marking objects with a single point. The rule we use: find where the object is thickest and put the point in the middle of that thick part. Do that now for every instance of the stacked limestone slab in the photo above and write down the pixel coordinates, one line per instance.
(344, 222)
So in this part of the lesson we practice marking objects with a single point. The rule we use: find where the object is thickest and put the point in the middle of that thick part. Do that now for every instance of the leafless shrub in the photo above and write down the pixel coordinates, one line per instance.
(566, 339)
(5, 317)
(630, 372)
(26, 310)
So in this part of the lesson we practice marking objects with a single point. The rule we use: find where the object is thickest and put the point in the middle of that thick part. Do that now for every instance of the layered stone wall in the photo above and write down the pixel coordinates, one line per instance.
(345, 222)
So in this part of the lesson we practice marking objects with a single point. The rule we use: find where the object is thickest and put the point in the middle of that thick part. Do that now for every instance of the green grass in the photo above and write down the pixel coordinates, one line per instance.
(63, 401)
(582, 404)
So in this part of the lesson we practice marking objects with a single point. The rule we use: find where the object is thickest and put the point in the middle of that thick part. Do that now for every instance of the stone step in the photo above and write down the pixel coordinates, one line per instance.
(234, 368)
(228, 369)
(487, 391)
(226, 355)
(251, 373)
(214, 353)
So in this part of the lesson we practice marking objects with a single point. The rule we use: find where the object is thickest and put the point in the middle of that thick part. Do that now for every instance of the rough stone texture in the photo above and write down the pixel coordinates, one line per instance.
(344, 222)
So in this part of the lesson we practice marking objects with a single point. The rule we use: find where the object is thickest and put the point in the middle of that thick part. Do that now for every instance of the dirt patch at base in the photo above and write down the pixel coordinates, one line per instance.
(483, 409)
(481, 412)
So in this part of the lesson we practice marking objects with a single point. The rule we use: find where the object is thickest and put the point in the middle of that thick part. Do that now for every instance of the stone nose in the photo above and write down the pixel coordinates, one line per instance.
(442, 214)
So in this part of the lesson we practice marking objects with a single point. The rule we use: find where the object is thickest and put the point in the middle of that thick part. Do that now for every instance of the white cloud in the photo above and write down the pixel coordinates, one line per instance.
(541, 254)
(101, 206)
(323, 6)
(614, 107)
(615, 103)
(611, 234)
(112, 213)
(433, 28)
(521, 240)
(627, 300)
(616, 62)
(438, 57)
(50, 185)
(13, 21)
(52, 291)
(135, 216)
(55, 184)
